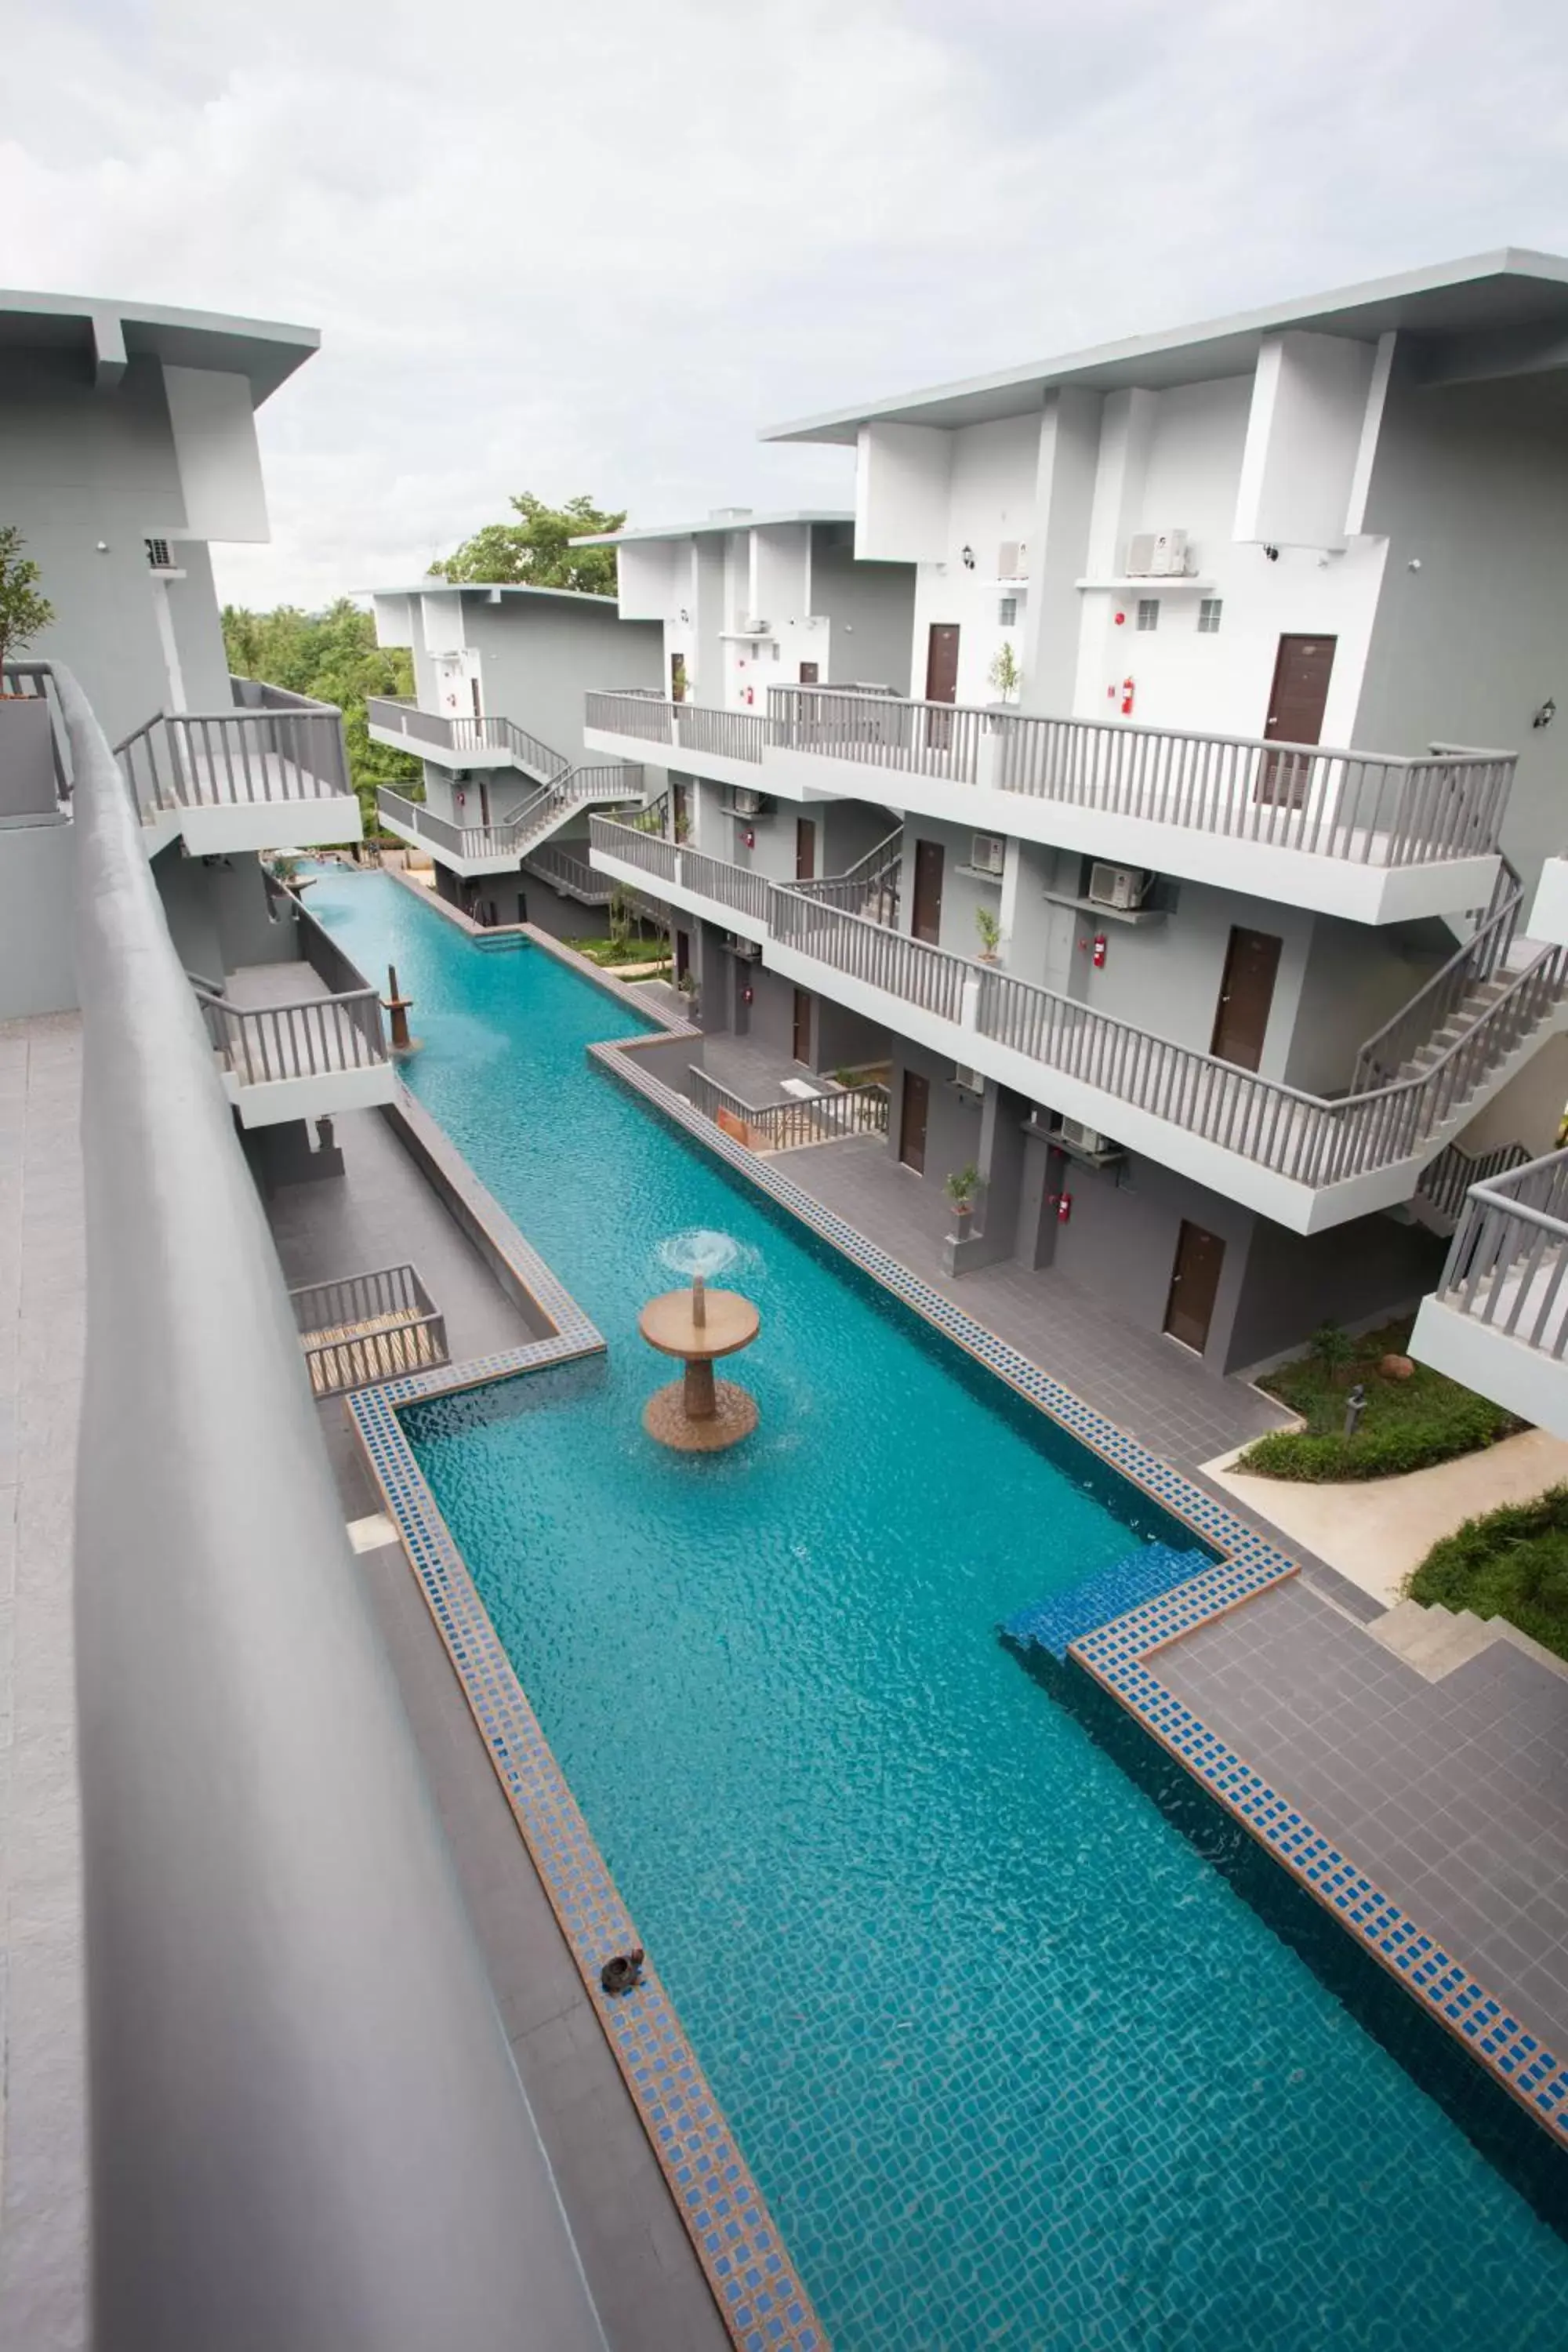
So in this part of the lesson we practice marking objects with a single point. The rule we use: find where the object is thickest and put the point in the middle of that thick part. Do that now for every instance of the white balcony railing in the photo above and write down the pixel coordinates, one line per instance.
(1508, 1263)
(682, 726)
(456, 739)
(517, 835)
(1311, 1140)
(1369, 808)
(275, 747)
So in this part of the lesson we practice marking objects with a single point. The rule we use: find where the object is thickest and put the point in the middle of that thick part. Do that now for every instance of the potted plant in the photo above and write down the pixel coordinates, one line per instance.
(961, 1188)
(1004, 673)
(990, 931)
(27, 725)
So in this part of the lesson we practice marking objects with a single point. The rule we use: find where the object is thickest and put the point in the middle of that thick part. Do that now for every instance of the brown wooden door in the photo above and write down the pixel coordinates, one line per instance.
(809, 673)
(682, 954)
(804, 849)
(926, 919)
(1194, 1283)
(914, 1115)
(942, 662)
(680, 810)
(802, 1045)
(1296, 701)
(1246, 994)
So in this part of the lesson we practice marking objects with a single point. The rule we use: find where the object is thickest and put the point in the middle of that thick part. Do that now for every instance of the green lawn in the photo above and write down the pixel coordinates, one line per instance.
(609, 952)
(1513, 1563)
(1408, 1425)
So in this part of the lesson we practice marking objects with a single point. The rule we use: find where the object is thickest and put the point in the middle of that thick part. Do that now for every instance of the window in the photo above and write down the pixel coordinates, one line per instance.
(1209, 610)
(1148, 612)
(1008, 612)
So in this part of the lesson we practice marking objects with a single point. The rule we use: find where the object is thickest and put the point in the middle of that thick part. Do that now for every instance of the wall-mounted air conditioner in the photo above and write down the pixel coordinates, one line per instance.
(753, 625)
(161, 556)
(1157, 555)
(1082, 1138)
(747, 803)
(962, 1076)
(987, 852)
(1122, 886)
(1013, 560)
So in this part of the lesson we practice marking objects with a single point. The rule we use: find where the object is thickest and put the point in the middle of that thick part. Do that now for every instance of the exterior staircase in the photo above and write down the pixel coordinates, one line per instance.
(1434, 1640)
(1439, 1200)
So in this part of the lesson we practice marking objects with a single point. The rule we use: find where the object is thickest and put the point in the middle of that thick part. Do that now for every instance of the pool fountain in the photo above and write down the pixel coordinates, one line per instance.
(697, 1414)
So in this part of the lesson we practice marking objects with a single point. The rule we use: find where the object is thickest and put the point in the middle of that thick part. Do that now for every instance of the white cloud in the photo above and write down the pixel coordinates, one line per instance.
(595, 247)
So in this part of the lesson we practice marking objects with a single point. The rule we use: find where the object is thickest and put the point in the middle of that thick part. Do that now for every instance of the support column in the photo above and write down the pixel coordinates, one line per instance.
(994, 1231)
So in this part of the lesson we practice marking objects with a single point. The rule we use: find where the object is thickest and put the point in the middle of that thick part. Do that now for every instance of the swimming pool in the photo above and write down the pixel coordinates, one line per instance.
(1012, 2063)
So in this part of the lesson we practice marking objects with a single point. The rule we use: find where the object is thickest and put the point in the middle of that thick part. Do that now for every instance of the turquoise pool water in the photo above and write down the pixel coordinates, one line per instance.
(1012, 2063)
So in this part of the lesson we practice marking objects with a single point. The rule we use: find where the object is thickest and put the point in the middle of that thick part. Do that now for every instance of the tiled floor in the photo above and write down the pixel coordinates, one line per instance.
(43, 2183)
(1453, 1795)
(1141, 1381)
(641, 2270)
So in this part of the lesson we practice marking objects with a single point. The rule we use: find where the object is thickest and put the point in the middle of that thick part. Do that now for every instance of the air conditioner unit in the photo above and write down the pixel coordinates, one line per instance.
(1157, 555)
(987, 852)
(1117, 885)
(1082, 1138)
(753, 625)
(1013, 560)
(962, 1076)
(159, 557)
(747, 803)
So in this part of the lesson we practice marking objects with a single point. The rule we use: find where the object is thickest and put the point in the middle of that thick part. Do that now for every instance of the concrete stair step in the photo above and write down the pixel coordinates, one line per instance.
(1433, 1638)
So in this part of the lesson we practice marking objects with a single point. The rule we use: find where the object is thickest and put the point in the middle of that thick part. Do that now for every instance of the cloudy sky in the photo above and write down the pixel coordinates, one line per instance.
(593, 245)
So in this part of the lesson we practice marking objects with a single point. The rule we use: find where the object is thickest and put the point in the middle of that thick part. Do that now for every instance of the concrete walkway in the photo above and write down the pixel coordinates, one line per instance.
(43, 2090)
(1376, 1531)
(1138, 1379)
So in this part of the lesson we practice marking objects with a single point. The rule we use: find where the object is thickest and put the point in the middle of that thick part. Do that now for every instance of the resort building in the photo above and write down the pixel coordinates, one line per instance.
(1186, 899)
(499, 676)
(501, 1847)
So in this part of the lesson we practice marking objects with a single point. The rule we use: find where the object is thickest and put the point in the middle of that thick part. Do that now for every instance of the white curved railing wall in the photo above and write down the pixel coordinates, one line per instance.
(306, 2126)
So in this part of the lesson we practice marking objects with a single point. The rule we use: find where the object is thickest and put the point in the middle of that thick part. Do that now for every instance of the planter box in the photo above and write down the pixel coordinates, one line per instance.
(27, 758)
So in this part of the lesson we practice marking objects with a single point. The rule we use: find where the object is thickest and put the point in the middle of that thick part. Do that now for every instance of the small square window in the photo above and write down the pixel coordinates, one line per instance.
(1008, 612)
(1148, 612)
(1209, 610)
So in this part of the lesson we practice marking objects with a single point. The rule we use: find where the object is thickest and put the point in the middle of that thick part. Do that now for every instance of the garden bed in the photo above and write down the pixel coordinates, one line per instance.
(1512, 1563)
(1410, 1423)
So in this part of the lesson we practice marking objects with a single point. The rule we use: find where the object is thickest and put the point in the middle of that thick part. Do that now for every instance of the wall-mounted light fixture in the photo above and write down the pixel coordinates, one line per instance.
(968, 554)
(1546, 714)
(1272, 553)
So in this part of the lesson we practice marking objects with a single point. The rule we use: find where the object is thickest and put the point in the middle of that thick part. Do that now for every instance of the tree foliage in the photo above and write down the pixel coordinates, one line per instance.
(533, 551)
(23, 611)
(334, 657)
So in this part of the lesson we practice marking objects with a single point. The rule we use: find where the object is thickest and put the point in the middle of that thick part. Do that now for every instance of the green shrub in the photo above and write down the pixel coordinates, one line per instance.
(1458, 1423)
(1511, 1563)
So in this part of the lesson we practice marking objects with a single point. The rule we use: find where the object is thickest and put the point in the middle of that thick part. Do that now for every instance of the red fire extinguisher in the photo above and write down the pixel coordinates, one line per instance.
(751, 698)
(1097, 951)
(1064, 1207)
(1127, 691)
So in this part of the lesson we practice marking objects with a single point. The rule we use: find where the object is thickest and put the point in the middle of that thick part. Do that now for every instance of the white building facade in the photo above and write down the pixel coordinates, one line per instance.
(1207, 843)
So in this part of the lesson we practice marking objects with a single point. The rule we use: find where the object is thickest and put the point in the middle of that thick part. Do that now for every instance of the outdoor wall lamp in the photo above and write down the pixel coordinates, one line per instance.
(968, 555)
(1546, 714)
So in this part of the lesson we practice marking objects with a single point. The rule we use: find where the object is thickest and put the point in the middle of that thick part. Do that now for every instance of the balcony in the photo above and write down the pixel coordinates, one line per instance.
(1308, 1162)
(270, 773)
(1498, 1319)
(1368, 836)
(474, 849)
(299, 1040)
(464, 743)
(731, 895)
(728, 745)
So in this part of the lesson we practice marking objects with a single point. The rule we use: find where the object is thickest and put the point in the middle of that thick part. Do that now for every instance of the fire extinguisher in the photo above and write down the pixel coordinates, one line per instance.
(462, 800)
(1127, 691)
(747, 995)
(749, 838)
(1097, 951)
(1064, 1207)
(751, 698)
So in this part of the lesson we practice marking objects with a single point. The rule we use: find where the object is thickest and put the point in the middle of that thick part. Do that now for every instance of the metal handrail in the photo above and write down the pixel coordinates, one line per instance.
(1385, 1053)
(287, 2018)
(361, 1328)
(655, 717)
(1364, 807)
(1508, 1263)
(264, 1045)
(1315, 1140)
(195, 758)
(795, 1121)
(398, 715)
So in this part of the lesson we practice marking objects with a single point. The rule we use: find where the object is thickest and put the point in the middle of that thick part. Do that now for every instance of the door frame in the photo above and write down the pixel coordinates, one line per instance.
(1239, 931)
(1281, 776)
(922, 1086)
(937, 849)
(1190, 1225)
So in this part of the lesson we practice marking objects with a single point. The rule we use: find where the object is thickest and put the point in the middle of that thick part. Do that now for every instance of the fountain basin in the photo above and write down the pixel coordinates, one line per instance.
(697, 1414)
